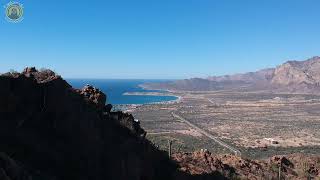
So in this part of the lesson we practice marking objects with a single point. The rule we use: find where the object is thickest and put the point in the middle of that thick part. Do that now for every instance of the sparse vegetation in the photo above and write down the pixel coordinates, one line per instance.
(249, 121)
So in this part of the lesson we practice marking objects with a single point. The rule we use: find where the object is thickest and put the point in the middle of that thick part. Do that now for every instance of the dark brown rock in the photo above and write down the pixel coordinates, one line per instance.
(10, 170)
(108, 108)
(94, 95)
(52, 128)
(282, 161)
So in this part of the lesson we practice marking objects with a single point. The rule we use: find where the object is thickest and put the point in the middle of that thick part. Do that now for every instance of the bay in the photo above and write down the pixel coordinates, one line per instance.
(115, 89)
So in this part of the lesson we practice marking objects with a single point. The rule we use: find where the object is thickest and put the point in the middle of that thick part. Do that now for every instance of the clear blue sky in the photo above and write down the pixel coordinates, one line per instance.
(159, 38)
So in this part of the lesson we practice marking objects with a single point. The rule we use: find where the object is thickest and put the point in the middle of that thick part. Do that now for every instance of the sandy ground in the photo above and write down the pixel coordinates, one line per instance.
(244, 119)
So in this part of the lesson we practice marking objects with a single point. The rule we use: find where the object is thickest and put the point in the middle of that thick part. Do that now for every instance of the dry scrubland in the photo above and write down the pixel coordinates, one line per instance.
(257, 124)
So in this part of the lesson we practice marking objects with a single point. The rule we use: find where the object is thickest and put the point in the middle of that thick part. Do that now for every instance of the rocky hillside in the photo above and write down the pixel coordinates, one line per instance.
(292, 76)
(48, 130)
(294, 166)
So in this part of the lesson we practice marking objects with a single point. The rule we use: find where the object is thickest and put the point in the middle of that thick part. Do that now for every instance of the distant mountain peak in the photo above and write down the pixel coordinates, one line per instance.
(291, 76)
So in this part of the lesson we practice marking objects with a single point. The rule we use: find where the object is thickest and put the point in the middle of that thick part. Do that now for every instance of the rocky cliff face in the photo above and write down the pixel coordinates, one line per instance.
(290, 77)
(298, 76)
(58, 132)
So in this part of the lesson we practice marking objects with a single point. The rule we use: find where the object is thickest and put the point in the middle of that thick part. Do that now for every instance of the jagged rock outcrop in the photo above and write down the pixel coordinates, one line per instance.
(294, 166)
(54, 129)
(94, 95)
(202, 162)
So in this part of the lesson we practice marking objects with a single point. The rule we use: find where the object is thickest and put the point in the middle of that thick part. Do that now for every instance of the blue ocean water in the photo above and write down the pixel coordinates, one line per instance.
(114, 90)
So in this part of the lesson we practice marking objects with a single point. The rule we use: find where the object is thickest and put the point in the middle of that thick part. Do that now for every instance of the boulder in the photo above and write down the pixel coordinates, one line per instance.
(94, 95)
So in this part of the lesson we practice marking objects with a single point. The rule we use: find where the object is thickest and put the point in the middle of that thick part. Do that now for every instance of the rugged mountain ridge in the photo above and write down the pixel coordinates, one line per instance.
(292, 77)
(298, 76)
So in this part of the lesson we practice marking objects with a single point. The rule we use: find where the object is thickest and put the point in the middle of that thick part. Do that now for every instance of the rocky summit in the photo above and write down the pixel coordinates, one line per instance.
(298, 76)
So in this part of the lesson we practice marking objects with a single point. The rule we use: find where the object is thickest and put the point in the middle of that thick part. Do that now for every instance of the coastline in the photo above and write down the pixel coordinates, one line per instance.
(177, 100)
(147, 88)
(131, 107)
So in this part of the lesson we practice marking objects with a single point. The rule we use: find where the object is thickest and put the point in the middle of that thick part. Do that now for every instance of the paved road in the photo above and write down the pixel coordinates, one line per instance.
(232, 149)
(157, 133)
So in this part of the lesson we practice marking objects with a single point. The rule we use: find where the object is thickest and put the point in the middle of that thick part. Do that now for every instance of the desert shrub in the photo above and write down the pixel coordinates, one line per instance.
(304, 168)
(274, 168)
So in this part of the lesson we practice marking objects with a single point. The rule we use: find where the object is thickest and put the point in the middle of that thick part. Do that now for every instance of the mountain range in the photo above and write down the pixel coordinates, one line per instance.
(290, 77)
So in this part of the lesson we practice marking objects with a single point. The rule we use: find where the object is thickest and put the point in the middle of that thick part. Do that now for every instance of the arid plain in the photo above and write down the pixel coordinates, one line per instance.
(256, 124)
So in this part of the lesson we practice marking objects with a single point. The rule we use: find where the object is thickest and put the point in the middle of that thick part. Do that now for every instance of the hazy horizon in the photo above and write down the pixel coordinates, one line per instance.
(146, 78)
(159, 39)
